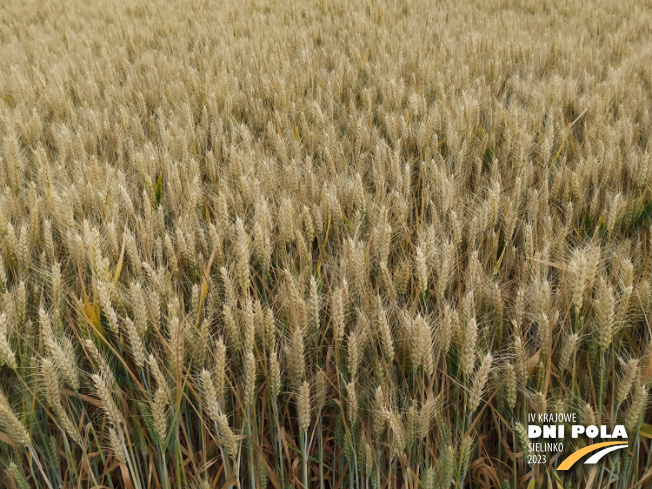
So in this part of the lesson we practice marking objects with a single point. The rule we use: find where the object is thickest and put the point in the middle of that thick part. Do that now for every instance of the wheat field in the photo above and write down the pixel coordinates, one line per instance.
(322, 244)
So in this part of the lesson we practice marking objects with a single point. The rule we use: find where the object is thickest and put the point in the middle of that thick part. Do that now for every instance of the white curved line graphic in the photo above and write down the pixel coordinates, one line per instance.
(595, 458)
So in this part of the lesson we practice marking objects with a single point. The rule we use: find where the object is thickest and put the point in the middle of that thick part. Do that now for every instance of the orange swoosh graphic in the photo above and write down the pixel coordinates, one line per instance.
(574, 457)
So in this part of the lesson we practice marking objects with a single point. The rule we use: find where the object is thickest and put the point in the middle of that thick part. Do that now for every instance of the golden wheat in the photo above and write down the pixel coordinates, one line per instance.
(281, 244)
